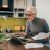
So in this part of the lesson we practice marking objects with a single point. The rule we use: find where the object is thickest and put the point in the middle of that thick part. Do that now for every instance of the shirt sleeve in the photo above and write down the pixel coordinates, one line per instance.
(27, 27)
(29, 33)
(45, 27)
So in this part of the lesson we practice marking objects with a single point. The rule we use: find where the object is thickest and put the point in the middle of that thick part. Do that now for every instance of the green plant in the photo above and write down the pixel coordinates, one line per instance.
(1, 36)
(1, 49)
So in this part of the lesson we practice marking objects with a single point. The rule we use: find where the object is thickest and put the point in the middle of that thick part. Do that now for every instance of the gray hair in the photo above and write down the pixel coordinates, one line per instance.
(32, 9)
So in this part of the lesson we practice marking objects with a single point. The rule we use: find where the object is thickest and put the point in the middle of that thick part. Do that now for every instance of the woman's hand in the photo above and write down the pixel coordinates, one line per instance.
(22, 33)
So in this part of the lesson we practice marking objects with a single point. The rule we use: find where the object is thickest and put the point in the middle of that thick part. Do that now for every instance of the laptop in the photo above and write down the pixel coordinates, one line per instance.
(18, 41)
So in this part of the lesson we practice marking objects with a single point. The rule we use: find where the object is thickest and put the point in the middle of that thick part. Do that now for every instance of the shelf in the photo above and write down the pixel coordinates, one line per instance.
(20, 17)
(6, 12)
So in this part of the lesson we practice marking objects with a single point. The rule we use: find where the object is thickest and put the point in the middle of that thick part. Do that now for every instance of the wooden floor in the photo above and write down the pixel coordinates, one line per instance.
(8, 46)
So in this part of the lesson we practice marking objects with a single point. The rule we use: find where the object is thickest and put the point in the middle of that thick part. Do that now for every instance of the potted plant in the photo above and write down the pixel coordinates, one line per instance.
(1, 40)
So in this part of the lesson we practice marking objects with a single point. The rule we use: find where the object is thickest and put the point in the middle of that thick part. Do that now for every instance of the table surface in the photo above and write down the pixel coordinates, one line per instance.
(9, 46)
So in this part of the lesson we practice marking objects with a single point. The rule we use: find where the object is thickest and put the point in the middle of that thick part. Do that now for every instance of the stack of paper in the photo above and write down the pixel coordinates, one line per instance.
(33, 45)
(40, 36)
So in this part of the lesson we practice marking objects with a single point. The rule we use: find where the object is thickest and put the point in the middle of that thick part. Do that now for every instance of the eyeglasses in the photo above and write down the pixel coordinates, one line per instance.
(30, 14)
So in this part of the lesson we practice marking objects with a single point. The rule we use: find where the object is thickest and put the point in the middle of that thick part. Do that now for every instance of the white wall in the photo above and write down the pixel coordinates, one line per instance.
(43, 7)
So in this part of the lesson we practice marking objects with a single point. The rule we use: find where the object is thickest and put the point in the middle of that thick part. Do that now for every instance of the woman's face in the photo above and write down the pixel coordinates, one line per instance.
(30, 15)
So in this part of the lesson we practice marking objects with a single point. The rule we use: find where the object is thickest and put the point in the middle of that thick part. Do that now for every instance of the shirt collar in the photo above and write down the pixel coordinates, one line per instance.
(35, 20)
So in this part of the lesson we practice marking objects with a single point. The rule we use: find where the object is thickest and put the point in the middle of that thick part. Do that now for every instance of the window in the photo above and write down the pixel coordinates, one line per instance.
(20, 12)
(34, 2)
(5, 3)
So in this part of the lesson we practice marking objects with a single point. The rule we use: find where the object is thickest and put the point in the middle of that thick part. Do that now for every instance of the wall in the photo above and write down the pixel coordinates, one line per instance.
(43, 7)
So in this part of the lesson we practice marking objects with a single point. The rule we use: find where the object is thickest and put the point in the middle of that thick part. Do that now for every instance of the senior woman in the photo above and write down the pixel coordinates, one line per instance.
(35, 25)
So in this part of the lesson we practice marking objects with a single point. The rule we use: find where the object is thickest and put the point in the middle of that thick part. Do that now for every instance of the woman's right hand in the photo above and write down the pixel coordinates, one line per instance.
(22, 33)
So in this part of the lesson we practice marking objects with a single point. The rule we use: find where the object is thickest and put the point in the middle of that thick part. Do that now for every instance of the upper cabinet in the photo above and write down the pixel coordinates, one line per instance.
(15, 8)
(22, 3)
(6, 7)
(19, 3)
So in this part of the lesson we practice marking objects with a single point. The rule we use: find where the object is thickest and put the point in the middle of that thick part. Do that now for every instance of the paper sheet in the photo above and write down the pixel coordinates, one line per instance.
(21, 37)
(40, 36)
(7, 39)
(33, 45)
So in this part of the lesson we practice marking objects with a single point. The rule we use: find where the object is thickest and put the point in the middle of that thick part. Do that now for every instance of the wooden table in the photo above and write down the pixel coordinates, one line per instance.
(8, 46)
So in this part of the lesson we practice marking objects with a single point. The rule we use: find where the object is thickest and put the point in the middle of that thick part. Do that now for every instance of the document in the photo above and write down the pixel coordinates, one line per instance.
(33, 45)
(21, 37)
(40, 36)
(7, 39)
